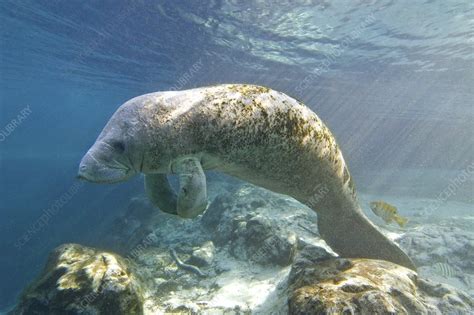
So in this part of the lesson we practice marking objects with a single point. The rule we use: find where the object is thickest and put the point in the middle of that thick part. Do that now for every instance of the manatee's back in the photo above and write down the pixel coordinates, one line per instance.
(274, 141)
(268, 133)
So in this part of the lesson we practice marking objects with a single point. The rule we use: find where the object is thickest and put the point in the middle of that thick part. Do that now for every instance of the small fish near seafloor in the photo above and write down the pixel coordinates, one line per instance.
(387, 212)
(445, 270)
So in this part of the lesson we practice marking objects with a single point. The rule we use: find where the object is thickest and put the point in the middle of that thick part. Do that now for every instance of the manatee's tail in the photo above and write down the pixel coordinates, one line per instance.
(350, 234)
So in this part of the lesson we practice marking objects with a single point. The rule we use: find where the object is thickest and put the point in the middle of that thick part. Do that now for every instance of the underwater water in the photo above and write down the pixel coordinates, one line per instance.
(392, 80)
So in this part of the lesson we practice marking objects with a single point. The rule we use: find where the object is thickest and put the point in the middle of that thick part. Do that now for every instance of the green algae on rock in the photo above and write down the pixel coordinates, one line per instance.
(365, 286)
(83, 280)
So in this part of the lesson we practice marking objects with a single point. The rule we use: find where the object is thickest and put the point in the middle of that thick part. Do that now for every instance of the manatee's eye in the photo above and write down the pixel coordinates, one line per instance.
(119, 146)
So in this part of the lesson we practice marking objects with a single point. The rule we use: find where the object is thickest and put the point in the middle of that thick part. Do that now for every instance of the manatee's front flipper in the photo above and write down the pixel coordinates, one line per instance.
(192, 196)
(352, 235)
(160, 193)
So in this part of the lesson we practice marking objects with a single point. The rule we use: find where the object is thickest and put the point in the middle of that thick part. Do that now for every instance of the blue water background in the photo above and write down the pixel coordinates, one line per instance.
(393, 80)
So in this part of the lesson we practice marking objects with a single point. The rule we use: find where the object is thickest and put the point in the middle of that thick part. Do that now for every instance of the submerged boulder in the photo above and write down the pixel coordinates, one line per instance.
(229, 208)
(83, 280)
(249, 220)
(260, 241)
(220, 215)
(364, 286)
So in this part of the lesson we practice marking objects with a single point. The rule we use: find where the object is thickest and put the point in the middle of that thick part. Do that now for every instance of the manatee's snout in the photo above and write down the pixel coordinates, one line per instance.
(81, 174)
(89, 168)
(100, 168)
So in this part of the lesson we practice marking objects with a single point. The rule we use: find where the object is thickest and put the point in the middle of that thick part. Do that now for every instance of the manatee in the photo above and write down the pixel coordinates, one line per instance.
(251, 132)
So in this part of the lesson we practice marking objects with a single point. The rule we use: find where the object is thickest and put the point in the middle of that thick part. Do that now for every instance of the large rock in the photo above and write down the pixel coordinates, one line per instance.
(309, 253)
(260, 241)
(82, 280)
(255, 224)
(244, 202)
(363, 286)
(220, 216)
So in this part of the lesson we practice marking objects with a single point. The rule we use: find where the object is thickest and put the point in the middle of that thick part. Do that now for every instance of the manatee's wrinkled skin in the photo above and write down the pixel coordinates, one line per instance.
(254, 133)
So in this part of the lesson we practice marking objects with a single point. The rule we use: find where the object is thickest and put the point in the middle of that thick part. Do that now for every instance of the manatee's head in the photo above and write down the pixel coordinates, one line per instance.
(118, 152)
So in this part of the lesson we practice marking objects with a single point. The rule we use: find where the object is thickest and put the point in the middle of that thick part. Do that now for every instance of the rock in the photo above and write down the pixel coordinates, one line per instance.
(83, 280)
(202, 256)
(219, 217)
(364, 286)
(254, 221)
(241, 204)
(449, 244)
(442, 242)
(258, 240)
(307, 254)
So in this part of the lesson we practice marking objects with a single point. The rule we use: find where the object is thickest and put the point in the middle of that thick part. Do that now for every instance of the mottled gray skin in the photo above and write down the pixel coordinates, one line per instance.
(254, 133)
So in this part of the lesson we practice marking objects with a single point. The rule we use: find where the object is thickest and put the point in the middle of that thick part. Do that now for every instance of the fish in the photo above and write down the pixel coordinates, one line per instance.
(387, 212)
(445, 270)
